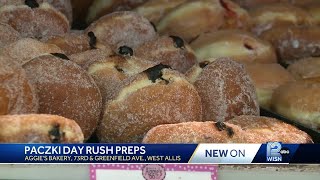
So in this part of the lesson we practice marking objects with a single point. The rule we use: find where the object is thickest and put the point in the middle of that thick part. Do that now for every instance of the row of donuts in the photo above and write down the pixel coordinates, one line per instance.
(129, 75)
(287, 32)
(155, 97)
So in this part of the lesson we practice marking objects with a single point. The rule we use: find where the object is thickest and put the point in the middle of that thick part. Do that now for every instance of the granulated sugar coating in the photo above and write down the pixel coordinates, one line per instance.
(8, 35)
(41, 22)
(71, 43)
(164, 50)
(245, 129)
(294, 43)
(142, 104)
(64, 6)
(193, 132)
(65, 89)
(17, 95)
(226, 91)
(122, 28)
(39, 128)
(258, 129)
(110, 73)
(26, 49)
(86, 58)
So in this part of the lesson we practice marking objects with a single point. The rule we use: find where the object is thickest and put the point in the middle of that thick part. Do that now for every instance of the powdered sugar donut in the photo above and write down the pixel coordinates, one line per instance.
(225, 88)
(39, 128)
(172, 51)
(122, 29)
(65, 89)
(77, 42)
(138, 107)
(64, 6)
(294, 43)
(7, 35)
(100, 8)
(241, 129)
(86, 58)
(17, 94)
(26, 49)
(36, 20)
(110, 73)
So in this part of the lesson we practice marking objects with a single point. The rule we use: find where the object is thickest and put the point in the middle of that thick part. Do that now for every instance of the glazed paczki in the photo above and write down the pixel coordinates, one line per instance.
(299, 101)
(239, 45)
(266, 78)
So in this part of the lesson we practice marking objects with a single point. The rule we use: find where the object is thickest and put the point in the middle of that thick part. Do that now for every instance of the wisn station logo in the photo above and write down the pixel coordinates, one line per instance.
(275, 151)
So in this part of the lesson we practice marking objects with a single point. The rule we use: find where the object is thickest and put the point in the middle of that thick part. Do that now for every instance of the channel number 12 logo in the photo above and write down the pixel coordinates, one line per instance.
(275, 152)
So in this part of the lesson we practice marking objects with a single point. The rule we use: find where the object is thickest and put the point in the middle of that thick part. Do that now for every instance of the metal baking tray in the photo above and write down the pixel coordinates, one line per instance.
(315, 135)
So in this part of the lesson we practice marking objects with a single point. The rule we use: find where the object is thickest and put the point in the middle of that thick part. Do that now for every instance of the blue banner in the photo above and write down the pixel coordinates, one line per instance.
(95, 153)
(273, 152)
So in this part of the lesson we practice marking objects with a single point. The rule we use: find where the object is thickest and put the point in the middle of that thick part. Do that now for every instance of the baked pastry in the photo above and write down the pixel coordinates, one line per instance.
(153, 97)
(111, 72)
(241, 129)
(123, 28)
(65, 89)
(17, 94)
(238, 45)
(71, 43)
(7, 35)
(302, 3)
(314, 9)
(225, 88)
(35, 20)
(298, 101)
(304, 69)
(154, 10)
(100, 8)
(266, 78)
(294, 43)
(86, 58)
(192, 18)
(77, 42)
(278, 14)
(39, 128)
(26, 49)
(171, 51)
(64, 6)
(250, 4)
(235, 17)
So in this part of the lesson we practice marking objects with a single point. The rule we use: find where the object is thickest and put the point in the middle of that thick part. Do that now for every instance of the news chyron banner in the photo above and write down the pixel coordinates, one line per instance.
(272, 152)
